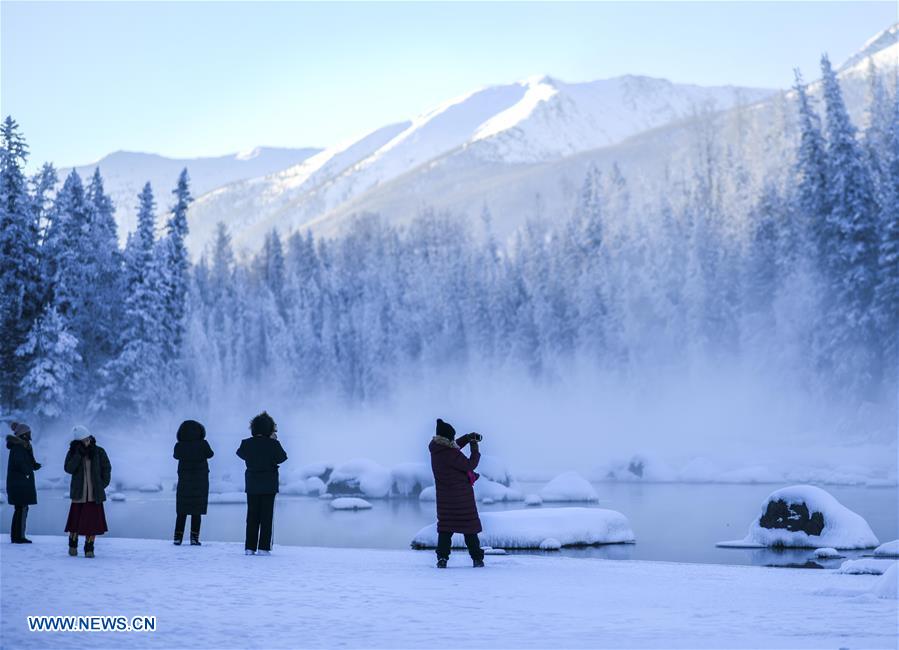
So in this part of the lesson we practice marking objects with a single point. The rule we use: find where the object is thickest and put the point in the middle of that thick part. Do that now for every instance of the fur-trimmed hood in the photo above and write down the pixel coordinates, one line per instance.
(444, 442)
(11, 441)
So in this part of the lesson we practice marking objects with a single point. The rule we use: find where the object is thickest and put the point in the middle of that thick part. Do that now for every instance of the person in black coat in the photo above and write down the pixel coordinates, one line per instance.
(20, 489)
(193, 454)
(262, 453)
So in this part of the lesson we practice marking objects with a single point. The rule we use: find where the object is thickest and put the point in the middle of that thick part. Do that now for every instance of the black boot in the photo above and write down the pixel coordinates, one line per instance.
(179, 537)
(73, 545)
(441, 563)
(89, 548)
(478, 563)
(195, 539)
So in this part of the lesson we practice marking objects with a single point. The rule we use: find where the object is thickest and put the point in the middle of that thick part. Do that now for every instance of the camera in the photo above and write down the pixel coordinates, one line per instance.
(477, 437)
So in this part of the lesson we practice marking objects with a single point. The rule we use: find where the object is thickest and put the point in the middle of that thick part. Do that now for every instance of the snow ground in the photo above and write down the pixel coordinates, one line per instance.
(215, 597)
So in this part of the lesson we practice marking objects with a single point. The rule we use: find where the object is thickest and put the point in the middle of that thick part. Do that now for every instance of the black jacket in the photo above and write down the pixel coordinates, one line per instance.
(193, 453)
(262, 456)
(20, 490)
(101, 469)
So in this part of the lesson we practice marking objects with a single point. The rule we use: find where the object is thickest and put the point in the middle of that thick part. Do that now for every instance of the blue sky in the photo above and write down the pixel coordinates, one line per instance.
(208, 78)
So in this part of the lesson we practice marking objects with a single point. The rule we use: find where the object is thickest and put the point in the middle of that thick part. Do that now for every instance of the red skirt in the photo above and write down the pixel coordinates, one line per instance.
(86, 519)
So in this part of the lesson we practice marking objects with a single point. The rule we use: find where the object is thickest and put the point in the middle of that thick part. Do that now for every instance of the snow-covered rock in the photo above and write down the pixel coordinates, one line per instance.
(638, 468)
(528, 528)
(887, 585)
(827, 553)
(485, 489)
(428, 494)
(569, 486)
(361, 477)
(228, 497)
(409, 479)
(312, 486)
(349, 503)
(324, 496)
(805, 516)
(487, 501)
(150, 487)
(865, 566)
(492, 468)
(321, 471)
(489, 550)
(117, 496)
(315, 486)
(550, 544)
(533, 500)
(887, 549)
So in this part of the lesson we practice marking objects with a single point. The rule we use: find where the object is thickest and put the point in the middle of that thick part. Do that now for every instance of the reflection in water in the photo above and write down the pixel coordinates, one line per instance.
(672, 522)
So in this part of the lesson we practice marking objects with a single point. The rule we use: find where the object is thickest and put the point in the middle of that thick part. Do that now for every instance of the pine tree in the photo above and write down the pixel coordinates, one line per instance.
(887, 295)
(20, 281)
(811, 173)
(52, 354)
(175, 271)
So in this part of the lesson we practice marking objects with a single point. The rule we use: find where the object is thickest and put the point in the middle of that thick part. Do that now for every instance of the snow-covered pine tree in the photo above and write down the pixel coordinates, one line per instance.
(887, 294)
(133, 380)
(175, 267)
(853, 219)
(20, 280)
(50, 355)
(811, 181)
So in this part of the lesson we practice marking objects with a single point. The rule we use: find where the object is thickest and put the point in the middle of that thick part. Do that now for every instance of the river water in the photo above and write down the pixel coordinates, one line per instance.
(673, 522)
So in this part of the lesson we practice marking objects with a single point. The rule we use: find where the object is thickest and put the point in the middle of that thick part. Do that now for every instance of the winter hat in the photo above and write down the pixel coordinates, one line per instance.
(191, 430)
(445, 430)
(20, 429)
(80, 432)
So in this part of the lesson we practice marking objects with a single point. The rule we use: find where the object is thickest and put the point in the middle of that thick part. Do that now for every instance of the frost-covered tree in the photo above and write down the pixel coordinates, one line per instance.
(51, 354)
(175, 266)
(20, 280)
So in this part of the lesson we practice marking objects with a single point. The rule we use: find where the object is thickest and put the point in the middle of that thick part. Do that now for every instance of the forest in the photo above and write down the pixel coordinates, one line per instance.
(804, 279)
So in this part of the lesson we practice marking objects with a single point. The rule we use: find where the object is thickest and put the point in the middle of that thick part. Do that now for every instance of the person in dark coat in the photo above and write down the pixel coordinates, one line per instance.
(193, 454)
(262, 453)
(91, 473)
(20, 490)
(454, 477)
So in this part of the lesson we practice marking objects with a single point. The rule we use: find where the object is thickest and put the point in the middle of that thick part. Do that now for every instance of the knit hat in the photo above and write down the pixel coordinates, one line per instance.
(20, 429)
(445, 430)
(80, 432)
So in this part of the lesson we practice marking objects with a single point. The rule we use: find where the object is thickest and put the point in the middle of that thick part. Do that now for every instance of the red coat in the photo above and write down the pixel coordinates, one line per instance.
(457, 511)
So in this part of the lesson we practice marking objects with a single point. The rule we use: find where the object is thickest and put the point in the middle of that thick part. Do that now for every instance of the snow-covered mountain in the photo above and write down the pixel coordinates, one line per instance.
(533, 121)
(126, 172)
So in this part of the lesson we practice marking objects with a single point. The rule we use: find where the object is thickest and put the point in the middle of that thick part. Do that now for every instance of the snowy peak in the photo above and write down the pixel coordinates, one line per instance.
(888, 38)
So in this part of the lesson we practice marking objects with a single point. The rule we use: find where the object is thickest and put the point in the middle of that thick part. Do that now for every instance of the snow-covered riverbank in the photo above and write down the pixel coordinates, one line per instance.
(214, 596)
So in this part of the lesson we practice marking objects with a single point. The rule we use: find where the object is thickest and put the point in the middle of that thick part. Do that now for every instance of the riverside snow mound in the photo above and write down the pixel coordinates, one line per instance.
(569, 486)
(511, 529)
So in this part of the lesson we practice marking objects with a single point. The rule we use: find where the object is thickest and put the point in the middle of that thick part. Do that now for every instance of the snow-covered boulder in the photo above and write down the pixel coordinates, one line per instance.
(324, 496)
(116, 496)
(528, 528)
(428, 494)
(865, 566)
(227, 497)
(827, 553)
(485, 489)
(569, 486)
(887, 585)
(361, 477)
(150, 487)
(638, 468)
(492, 468)
(550, 544)
(315, 486)
(489, 550)
(321, 471)
(805, 516)
(487, 501)
(887, 549)
(533, 500)
(409, 479)
(349, 503)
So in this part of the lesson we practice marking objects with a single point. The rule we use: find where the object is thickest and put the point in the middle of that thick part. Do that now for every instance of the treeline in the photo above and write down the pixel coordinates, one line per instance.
(810, 285)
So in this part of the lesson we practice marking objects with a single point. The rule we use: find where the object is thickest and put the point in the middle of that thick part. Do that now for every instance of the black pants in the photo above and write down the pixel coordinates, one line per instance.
(445, 543)
(17, 529)
(260, 509)
(195, 521)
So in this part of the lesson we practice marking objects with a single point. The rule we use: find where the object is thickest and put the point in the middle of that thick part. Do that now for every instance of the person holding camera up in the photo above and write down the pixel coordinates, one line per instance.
(454, 477)
(262, 453)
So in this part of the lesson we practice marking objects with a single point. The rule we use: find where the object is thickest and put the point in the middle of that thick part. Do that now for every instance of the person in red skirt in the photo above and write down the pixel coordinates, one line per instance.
(91, 472)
